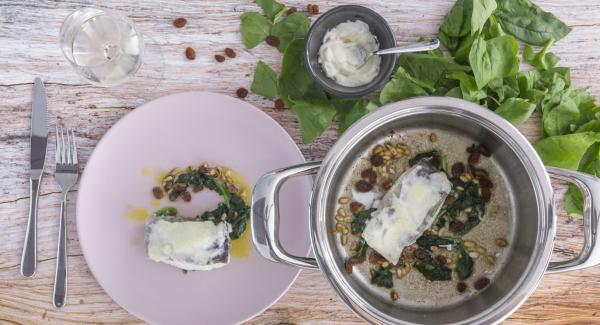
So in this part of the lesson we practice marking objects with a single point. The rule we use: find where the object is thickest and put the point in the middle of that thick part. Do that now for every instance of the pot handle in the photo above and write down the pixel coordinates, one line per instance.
(590, 254)
(265, 215)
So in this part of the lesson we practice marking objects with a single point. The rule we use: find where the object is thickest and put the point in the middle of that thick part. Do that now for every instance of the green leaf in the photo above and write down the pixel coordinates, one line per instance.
(166, 212)
(542, 60)
(482, 10)
(314, 117)
(361, 248)
(455, 92)
(399, 87)
(294, 81)
(591, 126)
(458, 21)
(565, 151)
(382, 278)
(293, 27)
(590, 163)
(254, 28)
(359, 222)
(515, 110)
(348, 112)
(464, 265)
(494, 58)
(558, 120)
(529, 23)
(428, 69)
(265, 81)
(468, 86)
(432, 270)
(272, 9)
(573, 202)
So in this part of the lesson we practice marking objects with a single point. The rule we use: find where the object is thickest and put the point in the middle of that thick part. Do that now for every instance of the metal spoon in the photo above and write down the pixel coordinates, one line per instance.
(429, 45)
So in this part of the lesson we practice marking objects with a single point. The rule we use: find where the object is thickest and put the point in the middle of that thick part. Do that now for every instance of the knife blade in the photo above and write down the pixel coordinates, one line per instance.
(38, 142)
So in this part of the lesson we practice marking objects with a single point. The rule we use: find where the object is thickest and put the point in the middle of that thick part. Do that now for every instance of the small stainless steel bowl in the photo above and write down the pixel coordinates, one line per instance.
(378, 27)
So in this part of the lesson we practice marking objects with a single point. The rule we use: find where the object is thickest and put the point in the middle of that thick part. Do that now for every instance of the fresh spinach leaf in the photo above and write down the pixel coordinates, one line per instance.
(590, 163)
(265, 81)
(432, 270)
(348, 112)
(565, 151)
(558, 119)
(428, 69)
(542, 60)
(359, 222)
(467, 16)
(468, 87)
(399, 87)
(314, 117)
(515, 110)
(494, 58)
(294, 81)
(382, 277)
(528, 22)
(294, 26)
(254, 29)
(272, 9)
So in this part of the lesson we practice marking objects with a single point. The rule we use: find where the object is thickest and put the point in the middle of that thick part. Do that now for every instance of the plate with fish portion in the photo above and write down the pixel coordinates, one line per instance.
(163, 209)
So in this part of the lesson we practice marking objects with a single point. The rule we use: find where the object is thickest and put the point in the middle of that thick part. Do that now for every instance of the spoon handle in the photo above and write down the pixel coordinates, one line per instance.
(429, 45)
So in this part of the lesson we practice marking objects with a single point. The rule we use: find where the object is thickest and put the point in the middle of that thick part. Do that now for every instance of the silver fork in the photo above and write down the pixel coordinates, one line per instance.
(67, 170)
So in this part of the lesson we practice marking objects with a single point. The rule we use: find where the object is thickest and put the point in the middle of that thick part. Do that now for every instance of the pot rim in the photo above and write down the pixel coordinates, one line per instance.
(538, 263)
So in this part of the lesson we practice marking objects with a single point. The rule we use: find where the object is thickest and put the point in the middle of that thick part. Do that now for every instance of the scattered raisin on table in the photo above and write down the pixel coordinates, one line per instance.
(242, 92)
(279, 104)
(363, 186)
(190, 53)
(230, 53)
(292, 10)
(272, 40)
(456, 226)
(219, 58)
(461, 287)
(158, 192)
(481, 283)
(376, 160)
(312, 9)
(179, 22)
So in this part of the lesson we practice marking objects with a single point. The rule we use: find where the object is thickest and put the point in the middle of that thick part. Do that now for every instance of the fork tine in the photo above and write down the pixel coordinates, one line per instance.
(58, 148)
(69, 151)
(62, 147)
(74, 147)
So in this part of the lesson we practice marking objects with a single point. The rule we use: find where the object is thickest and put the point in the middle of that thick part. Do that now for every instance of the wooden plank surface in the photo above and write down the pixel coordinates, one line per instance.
(29, 47)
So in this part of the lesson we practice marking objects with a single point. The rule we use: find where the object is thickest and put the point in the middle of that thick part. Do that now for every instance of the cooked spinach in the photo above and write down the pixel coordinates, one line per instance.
(427, 240)
(382, 277)
(235, 214)
(197, 178)
(166, 212)
(359, 222)
(432, 270)
(361, 248)
(433, 154)
(464, 265)
(467, 197)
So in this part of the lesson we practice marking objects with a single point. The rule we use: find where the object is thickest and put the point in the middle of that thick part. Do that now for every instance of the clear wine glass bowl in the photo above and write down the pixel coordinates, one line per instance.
(103, 46)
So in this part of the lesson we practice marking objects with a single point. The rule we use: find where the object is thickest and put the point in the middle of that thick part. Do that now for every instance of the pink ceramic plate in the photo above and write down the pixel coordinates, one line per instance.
(181, 130)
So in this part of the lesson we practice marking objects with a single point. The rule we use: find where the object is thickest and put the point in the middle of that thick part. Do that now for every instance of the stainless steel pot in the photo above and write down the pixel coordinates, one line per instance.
(531, 194)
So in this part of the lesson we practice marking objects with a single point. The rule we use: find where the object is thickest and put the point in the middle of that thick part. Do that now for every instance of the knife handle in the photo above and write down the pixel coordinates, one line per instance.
(60, 276)
(28, 259)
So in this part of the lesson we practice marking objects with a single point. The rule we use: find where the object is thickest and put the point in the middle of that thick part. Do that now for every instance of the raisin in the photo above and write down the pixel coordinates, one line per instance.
(474, 158)
(230, 53)
(351, 262)
(190, 53)
(356, 207)
(387, 184)
(219, 58)
(376, 160)
(478, 172)
(456, 226)
(461, 287)
(158, 192)
(363, 186)
(272, 40)
(486, 194)
(292, 10)
(312, 9)
(369, 175)
(441, 259)
(481, 283)
(179, 22)
(421, 254)
(375, 258)
(186, 196)
(482, 149)
(197, 188)
(179, 187)
(279, 104)
(458, 169)
(242, 92)
(485, 182)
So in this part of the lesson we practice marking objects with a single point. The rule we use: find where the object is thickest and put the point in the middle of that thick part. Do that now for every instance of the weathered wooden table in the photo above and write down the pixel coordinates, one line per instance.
(29, 47)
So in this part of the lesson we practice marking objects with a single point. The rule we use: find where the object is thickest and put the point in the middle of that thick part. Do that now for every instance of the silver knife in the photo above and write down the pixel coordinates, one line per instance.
(38, 141)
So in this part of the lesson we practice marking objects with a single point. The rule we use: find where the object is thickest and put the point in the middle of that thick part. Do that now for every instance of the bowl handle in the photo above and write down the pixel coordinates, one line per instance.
(590, 186)
(265, 215)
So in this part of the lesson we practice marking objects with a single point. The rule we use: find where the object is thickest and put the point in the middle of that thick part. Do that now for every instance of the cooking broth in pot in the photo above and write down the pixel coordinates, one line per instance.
(468, 242)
